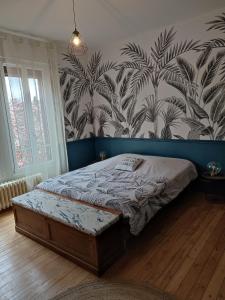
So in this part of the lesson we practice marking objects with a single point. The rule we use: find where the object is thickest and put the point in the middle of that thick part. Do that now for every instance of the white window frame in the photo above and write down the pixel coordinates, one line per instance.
(15, 171)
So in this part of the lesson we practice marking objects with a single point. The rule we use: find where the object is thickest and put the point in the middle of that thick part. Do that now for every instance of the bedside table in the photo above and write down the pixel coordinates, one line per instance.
(213, 187)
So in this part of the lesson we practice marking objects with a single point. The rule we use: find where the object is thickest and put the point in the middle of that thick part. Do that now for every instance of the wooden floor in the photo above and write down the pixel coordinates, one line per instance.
(182, 251)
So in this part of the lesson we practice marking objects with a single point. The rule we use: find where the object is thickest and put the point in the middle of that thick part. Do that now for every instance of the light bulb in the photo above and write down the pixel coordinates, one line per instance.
(76, 40)
(76, 45)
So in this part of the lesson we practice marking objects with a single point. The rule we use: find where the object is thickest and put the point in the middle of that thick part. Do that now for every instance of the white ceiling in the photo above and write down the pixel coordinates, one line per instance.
(99, 21)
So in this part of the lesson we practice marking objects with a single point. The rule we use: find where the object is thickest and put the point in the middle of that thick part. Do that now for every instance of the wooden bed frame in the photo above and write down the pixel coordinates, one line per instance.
(95, 253)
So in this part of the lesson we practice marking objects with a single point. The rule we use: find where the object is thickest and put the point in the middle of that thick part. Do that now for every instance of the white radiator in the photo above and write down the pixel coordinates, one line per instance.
(11, 189)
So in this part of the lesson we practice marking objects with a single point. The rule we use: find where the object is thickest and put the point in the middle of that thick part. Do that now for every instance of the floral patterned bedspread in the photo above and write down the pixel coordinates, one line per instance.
(138, 195)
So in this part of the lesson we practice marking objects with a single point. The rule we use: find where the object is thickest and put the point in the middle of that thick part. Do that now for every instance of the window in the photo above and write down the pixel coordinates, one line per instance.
(27, 116)
(32, 133)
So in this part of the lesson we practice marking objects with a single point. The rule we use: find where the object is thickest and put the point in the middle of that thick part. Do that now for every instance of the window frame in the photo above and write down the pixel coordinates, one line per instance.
(13, 169)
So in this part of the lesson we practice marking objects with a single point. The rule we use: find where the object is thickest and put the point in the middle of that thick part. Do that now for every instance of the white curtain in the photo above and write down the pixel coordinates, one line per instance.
(32, 131)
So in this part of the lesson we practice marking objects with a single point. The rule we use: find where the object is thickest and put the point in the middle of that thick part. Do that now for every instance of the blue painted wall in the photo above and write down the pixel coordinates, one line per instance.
(84, 152)
(200, 152)
(80, 153)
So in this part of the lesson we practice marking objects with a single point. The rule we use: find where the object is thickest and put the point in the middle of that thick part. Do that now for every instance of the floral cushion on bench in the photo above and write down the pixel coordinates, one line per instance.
(82, 217)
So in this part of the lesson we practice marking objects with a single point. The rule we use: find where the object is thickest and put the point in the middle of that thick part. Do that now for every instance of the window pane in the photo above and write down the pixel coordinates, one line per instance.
(18, 120)
(39, 115)
(27, 116)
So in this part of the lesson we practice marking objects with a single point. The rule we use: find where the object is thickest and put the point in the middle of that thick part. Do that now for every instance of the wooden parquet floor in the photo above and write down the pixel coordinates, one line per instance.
(181, 251)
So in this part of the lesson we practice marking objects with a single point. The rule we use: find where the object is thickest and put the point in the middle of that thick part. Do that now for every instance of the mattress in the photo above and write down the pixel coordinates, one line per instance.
(138, 194)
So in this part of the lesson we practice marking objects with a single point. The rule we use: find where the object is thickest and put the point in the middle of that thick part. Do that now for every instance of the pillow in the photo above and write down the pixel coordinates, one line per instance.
(129, 164)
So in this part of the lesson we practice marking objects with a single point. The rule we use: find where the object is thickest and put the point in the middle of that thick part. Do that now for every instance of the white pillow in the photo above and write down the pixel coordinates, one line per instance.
(129, 164)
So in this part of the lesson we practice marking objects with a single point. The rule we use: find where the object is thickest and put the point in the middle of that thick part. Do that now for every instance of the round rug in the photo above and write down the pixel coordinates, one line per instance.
(112, 291)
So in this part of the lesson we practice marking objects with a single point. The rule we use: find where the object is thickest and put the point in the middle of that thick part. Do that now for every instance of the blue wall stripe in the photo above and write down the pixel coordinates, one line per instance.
(83, 152)
(200, 152)
(80, 153)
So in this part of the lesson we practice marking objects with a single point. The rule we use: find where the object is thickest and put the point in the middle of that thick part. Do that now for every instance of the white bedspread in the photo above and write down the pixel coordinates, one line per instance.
(138, 195)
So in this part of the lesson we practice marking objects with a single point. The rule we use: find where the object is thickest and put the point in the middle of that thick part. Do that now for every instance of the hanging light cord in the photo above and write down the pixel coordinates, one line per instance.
(74, 16)
(76, 45)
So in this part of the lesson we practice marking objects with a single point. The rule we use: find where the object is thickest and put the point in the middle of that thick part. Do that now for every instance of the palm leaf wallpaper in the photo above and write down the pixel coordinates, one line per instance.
(126, 98)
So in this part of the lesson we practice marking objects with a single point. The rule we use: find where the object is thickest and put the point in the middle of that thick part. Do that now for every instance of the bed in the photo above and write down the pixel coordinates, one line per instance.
(137, 196)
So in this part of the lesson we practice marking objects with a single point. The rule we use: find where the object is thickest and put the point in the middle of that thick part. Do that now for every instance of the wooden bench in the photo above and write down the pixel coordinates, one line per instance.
(89, 236)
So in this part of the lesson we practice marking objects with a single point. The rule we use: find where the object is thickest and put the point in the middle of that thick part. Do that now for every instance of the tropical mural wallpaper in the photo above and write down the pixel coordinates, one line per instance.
(104, 98)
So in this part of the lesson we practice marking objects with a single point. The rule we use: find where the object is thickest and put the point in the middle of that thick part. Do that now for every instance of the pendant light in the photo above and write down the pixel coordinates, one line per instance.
(76, 44)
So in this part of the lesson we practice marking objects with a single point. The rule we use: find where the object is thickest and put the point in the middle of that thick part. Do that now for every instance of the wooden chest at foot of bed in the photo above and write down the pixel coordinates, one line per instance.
(95, 250)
